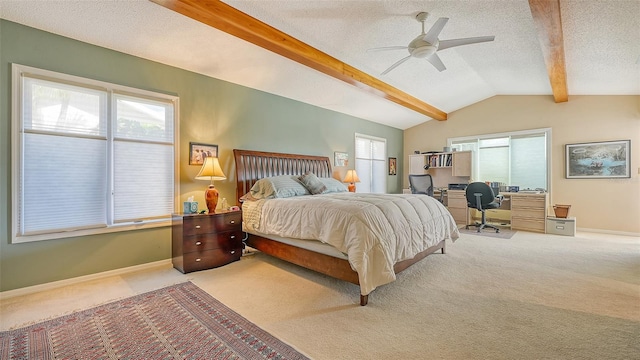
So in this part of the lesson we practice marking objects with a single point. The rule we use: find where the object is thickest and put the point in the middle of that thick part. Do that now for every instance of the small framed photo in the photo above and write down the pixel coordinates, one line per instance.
(392, 166)
(340, 158)
(607, 159)
(199, 151)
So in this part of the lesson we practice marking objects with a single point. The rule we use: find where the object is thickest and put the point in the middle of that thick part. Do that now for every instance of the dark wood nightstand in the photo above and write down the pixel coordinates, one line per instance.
(205, 241)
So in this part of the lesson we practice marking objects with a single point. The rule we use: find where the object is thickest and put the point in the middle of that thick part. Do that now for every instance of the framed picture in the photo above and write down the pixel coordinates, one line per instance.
(607, 159)
(392, 166)
(340, 159)
(198, 151)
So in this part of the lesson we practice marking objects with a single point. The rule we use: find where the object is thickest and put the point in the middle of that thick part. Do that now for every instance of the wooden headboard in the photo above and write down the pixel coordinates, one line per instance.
(252, 166)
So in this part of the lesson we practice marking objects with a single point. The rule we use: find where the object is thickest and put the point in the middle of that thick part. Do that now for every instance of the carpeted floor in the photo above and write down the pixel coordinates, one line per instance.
(505, 232)
(534, 296)
(176, 322)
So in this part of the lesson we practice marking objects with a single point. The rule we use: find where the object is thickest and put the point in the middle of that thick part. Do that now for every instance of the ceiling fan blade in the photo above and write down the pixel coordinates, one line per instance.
(396, 64)
(434, 59)
(432, 35)
(388, 48)
(445, 44)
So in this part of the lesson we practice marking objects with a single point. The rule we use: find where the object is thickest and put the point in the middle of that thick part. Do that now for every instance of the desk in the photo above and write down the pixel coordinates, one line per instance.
(526, 211)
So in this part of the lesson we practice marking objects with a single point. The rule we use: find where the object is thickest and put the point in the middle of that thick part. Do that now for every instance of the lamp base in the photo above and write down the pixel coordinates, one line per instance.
(352, 187)
(211, 197)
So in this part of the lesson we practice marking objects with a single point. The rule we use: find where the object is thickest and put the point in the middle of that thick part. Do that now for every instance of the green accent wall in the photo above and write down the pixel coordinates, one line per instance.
(211, 111)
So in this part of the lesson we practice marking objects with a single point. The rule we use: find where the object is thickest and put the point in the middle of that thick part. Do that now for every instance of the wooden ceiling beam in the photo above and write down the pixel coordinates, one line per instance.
(548, 20)
(234, 22)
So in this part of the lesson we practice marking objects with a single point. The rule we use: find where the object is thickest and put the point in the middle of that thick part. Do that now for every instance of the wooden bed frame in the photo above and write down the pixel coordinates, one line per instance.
(252, 166)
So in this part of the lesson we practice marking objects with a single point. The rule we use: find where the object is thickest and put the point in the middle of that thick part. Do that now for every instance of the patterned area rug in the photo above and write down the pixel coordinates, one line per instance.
(178, 322)
(505, 233)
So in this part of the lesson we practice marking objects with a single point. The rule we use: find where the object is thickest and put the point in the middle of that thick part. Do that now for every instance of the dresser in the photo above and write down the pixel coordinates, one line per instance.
(205, 241)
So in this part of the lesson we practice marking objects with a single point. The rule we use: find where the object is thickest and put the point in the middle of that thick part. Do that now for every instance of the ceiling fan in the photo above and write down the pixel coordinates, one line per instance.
(427, 44)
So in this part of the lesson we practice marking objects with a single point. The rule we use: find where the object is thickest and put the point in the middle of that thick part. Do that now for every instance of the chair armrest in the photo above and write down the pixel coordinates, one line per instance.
(499, 198)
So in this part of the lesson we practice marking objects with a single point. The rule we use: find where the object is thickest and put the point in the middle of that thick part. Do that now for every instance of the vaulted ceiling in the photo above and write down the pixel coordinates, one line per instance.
(316, 51)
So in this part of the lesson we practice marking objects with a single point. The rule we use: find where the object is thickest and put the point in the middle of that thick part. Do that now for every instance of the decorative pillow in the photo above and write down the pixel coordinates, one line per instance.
(333, 185)
(278, 187)
(247, 197)
(312, 183)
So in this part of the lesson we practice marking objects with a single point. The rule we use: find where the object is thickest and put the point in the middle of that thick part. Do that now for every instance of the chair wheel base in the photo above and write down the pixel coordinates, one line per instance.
(481, 226)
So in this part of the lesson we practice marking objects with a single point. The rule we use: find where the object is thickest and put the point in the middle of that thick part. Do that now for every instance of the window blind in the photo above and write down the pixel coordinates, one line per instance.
(91, 155)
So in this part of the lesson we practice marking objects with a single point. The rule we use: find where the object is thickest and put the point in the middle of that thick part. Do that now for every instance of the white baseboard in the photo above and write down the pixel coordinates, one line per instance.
(56, 284)
(612, 232)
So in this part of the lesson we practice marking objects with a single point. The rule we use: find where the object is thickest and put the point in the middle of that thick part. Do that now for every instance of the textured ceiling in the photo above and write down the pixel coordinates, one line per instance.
(601, 40)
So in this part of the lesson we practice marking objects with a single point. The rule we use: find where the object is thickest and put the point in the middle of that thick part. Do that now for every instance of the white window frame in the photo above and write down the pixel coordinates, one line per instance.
(17, 146)
(547, 131)
(374, 138)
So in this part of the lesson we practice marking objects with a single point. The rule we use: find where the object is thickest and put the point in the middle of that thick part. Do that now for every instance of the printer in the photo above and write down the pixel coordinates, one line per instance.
(457, 186)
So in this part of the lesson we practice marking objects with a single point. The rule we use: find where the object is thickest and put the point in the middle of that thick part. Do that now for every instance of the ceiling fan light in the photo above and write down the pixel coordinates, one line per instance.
(424, 51)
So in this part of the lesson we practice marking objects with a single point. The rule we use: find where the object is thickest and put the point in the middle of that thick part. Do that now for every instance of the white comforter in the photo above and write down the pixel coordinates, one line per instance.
(374, 230)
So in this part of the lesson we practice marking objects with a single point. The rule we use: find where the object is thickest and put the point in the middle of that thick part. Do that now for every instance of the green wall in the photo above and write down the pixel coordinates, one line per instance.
(211, 111)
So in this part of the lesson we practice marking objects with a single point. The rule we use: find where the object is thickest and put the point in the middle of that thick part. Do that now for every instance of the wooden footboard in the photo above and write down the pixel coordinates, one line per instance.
(325, 264)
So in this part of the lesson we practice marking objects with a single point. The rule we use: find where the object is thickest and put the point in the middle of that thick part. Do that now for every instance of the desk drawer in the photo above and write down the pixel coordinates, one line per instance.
(537, 202)
(459, 215)
(537, 213)
(528, 224)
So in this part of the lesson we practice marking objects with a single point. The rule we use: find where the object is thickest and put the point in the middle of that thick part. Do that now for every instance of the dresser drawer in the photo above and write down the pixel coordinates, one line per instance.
(205, 224)
(224, 240)
(207, 259)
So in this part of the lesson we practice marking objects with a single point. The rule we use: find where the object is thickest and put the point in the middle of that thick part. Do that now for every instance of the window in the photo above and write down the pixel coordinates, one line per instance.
(516, 158)
(371, 164)
(90, 156)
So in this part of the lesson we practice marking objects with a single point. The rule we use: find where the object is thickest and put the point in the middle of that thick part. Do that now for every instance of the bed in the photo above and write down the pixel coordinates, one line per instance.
(357, 258)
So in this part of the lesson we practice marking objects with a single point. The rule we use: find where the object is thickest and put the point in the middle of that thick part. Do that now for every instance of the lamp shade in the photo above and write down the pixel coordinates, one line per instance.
(211, 170)
(351, 177)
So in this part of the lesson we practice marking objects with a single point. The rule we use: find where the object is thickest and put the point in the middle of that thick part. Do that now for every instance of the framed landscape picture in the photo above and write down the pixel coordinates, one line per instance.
(198, 151)
(607, 159)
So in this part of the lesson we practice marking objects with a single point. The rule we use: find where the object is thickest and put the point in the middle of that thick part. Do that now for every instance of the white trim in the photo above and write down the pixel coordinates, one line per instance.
(611, 232)
(76, 280)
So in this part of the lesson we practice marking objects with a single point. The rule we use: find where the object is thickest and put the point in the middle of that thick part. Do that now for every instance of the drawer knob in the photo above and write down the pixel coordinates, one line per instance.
(233, 252)
(198, 259)
(198, 243)
(197, 226)
(233, 221)
(233, 237)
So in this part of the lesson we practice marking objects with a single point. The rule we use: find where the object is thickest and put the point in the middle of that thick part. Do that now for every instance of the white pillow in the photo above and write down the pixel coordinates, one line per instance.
(333, 185)
(278, 187)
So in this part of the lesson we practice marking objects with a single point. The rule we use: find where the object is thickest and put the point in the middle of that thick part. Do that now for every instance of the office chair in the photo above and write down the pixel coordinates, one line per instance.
(421, 184)
(480, 196)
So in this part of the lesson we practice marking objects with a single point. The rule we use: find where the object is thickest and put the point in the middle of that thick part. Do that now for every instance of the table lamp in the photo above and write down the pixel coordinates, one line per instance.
(211, 170)
(351, 178)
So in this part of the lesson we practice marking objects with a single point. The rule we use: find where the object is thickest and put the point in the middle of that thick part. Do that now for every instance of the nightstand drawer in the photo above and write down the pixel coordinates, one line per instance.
(223, 240)
(201, 260)
(206, 224)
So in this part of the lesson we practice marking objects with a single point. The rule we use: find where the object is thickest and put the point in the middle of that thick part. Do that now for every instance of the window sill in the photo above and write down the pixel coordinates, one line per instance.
(88, 232)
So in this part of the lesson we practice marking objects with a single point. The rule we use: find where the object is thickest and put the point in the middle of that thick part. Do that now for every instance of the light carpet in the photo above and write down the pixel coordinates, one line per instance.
(534, 296)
